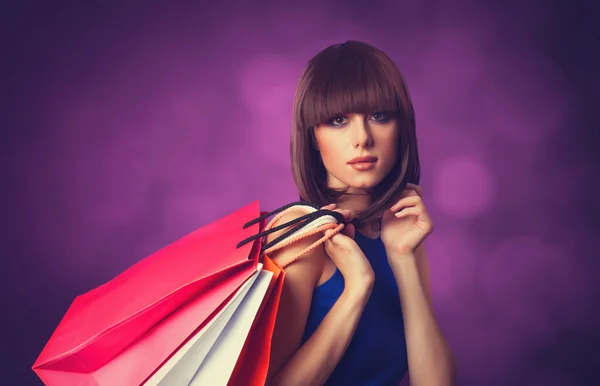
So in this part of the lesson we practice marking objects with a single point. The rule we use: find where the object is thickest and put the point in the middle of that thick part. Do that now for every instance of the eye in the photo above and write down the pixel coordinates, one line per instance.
(380, 117)
(337, 121)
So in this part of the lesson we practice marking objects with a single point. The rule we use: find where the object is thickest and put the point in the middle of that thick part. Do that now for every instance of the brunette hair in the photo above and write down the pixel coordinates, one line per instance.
(353, 77)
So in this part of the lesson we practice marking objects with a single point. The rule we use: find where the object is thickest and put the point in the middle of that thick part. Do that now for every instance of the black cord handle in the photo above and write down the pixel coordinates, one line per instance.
(310, 217)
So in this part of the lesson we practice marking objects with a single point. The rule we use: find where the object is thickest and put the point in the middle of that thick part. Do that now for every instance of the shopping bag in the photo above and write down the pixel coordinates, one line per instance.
(214, 349)
(213, 359)
(253, 363)
(122, 331)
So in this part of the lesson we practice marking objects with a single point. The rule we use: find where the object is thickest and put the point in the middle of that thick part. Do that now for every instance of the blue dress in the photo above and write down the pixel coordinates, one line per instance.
(376, 355)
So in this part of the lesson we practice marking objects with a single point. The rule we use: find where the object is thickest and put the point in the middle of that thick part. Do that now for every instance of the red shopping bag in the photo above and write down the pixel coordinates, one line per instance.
(126, 331)
(93, 344)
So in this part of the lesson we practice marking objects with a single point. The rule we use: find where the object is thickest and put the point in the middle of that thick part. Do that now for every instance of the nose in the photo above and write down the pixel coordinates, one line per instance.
(361, 133)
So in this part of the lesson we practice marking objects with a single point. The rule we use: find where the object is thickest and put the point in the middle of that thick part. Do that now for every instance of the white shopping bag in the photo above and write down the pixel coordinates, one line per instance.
(209, 357)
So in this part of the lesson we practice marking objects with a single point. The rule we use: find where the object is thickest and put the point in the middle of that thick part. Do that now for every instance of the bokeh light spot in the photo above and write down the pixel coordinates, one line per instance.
(464, 186)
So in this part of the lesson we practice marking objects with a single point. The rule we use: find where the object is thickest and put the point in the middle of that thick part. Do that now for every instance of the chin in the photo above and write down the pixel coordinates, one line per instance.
(366, 180)
(364, 183)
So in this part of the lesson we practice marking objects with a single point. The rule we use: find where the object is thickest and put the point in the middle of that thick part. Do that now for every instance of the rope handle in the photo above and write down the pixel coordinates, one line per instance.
(315, 226)
(314, 220)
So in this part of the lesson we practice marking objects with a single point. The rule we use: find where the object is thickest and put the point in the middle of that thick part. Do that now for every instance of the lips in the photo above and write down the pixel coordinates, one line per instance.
(363, 159)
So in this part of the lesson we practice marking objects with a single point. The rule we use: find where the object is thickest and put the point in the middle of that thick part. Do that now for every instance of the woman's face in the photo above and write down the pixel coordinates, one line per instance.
(345, 138)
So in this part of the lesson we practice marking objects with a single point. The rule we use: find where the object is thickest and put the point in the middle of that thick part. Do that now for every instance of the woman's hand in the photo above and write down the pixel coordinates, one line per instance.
(406, 224)
(347, 255)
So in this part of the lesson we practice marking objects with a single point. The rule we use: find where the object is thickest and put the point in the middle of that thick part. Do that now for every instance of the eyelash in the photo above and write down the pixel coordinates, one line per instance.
(386, 117)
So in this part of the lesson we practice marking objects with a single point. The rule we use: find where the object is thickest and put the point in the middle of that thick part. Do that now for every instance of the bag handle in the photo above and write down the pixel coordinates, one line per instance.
(319, 224)
(314, 220)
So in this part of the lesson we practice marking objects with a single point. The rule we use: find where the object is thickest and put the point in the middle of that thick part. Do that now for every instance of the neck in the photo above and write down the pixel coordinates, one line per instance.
(357, 202)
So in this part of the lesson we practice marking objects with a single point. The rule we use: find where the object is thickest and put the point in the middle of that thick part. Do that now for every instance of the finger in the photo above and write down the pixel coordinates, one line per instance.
(349, 230)
(416, 188)
(409, 193)
(329, 235)
(332, 239)
(406, 202)
(407, 212)
(346, 213)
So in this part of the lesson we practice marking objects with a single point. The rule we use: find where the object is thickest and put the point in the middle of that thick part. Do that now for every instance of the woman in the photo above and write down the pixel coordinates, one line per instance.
(357, 311)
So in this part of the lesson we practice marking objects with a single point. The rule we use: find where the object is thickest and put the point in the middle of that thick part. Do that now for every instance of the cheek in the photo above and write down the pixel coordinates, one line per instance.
(389, 146)
(331, 150)
(392, 149)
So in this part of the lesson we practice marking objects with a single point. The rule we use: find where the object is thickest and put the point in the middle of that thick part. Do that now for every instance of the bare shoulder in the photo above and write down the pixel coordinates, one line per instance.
(310, 265)
(300, 280)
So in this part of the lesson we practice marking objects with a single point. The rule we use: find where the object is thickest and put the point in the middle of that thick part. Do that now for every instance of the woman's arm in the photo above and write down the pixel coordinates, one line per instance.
(430, 360)
(314, 361)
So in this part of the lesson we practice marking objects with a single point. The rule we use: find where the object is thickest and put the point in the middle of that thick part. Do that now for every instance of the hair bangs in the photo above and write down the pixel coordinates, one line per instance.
(349, 82)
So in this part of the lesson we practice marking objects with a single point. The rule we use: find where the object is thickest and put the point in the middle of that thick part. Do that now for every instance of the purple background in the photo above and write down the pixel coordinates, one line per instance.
(128, 126)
